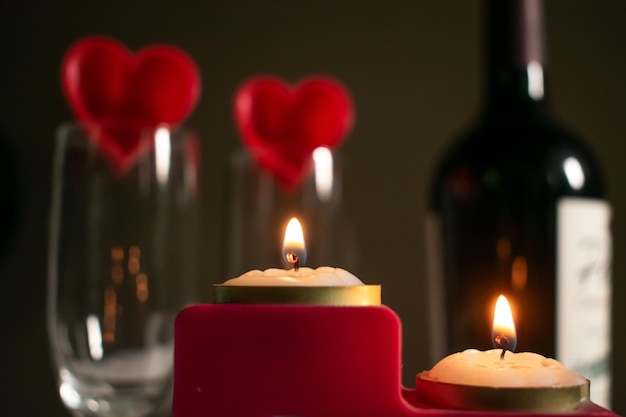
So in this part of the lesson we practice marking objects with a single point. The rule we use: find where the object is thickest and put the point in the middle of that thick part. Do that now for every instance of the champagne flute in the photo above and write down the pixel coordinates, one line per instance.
(121, 265)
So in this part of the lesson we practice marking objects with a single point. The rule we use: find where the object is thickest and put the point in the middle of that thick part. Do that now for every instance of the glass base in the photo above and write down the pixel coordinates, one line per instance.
(112, 388)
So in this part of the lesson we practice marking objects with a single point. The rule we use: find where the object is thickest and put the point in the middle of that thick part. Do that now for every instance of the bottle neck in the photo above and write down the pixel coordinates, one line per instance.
(515, 62)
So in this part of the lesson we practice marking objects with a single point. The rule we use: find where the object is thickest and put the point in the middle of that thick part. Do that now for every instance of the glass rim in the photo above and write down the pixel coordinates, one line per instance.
(73, 125)
(87, 134)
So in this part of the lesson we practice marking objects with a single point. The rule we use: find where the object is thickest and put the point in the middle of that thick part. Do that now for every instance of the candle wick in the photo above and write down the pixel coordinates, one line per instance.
(293, 258)
(503, 342)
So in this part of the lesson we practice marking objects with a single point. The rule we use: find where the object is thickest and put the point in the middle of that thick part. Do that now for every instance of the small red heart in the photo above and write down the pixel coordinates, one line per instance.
(282, 125)
(106, 85)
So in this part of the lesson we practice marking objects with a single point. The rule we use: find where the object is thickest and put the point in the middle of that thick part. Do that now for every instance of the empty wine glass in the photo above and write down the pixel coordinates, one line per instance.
(122, 263)
(258, 209)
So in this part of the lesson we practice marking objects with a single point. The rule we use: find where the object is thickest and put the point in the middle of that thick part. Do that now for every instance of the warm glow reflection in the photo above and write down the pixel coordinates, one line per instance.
(503, 248)
(163, 150)
(323, 161)
(133, 260)
(110, 315)
(141, 283)
(117, 254)
(503, 330)
(294, 240)
(117, 274)
(519, 273)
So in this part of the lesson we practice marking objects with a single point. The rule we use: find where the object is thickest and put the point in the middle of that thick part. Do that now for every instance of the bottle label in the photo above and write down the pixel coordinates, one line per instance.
(584, 291)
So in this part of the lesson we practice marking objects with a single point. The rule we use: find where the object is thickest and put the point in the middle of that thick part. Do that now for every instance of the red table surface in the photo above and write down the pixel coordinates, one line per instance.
(307, 361)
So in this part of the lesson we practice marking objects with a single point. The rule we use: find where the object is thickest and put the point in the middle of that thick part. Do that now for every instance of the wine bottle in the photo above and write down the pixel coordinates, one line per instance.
(518, 207)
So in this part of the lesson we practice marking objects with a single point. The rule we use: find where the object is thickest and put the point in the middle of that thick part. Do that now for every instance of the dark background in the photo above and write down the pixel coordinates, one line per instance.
(413, 68)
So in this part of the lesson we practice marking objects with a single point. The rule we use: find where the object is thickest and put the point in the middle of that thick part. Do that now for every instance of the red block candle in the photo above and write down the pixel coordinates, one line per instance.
(276, 360)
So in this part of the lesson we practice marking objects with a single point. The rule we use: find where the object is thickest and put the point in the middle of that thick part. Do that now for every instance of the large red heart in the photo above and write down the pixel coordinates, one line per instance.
(122, 94)
(282, 125)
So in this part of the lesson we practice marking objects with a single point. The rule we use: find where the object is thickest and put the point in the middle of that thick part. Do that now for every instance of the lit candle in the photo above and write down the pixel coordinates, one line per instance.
(500, 379)
(298, 285)
(322, 276)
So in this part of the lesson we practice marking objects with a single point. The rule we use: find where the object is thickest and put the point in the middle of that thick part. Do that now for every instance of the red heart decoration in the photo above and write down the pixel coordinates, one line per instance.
(122, 94)
(282, 125)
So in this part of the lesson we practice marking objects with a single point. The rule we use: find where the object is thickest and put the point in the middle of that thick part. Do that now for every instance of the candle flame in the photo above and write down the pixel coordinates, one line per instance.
(294, 248)
(503, 331)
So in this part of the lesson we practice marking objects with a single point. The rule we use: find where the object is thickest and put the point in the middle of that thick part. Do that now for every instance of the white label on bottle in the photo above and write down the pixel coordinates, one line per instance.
(584, 291)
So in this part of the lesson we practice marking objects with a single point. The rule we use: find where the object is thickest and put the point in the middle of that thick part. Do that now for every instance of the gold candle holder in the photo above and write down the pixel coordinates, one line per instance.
(527, 399)
(352, 295)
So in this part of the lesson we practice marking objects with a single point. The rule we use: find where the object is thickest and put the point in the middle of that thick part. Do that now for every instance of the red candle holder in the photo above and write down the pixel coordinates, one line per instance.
(236, 360)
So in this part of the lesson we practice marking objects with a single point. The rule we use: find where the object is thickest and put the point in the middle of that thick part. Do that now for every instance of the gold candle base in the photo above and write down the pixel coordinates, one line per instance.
(353, 295)
(468, 397)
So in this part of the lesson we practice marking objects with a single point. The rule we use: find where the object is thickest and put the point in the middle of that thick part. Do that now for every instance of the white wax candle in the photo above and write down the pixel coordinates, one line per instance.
(516, 370)
(323, 276)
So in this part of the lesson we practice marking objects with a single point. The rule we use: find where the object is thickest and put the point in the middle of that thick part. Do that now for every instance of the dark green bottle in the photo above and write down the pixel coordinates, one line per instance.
(518, 207)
